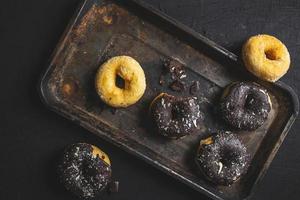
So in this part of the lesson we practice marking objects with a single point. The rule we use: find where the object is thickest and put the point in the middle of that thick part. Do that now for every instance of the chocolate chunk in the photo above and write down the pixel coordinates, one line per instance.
(177, 73)
(194, 88)
(113, 187)
(166, 63)
(177, 86)
(177, 70)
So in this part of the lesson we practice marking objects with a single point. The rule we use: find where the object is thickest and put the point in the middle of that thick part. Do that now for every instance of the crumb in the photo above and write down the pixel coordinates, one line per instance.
(177, 86)
(113, 111)
(114, 187)
(161, 80)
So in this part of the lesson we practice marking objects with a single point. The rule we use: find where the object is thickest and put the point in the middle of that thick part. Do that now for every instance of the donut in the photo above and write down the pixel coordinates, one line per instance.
(130, 71)
(245, 105)
(175, 117)
(266, 57)
(84, 170)
(222, 158)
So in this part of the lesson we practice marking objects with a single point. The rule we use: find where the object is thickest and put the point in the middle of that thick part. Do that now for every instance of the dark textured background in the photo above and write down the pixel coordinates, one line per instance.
(31, 136)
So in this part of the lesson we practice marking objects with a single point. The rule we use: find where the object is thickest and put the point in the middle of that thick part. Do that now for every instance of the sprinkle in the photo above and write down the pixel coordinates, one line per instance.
(195, 122)
(220, 167)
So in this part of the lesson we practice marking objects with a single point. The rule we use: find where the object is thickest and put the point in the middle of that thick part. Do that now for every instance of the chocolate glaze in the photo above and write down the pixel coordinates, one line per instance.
(177, 73)
(83, 173)
(245, 105)
(175, 117)
(224, 159)
(175, 68)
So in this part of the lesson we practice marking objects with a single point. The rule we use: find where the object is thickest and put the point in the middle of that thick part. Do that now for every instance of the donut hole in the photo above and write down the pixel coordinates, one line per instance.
(250, 101)
(120, 82)
(271, 54)
(228, 156)
(88, 170)
(178, 110)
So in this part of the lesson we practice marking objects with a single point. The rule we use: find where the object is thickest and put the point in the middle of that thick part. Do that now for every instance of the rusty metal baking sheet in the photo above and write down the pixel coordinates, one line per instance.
(104, 28)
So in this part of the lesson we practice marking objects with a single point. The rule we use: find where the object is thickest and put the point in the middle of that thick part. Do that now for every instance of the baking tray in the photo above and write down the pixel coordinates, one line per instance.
(104, 28)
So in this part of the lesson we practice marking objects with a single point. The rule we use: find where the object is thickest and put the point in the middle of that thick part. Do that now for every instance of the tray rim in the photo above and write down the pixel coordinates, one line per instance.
(219, 49)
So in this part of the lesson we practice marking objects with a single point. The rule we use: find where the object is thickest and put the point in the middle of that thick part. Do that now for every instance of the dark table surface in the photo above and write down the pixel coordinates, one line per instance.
(32, 136)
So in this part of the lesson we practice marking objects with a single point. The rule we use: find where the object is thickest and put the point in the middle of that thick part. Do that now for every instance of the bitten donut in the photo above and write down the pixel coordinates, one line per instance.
(85, 170)
(130, 71)
(245, 105)
(266, 57)
(222, 158)
(175, 117)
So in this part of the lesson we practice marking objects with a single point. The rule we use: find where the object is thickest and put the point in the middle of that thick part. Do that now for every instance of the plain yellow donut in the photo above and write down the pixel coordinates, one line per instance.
(132, 74)
(266, 57)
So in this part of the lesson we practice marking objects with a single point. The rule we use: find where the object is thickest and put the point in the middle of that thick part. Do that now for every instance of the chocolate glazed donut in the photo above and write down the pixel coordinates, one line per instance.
(84, 170)
(245, 105)
(222, 158)
(175, 117)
